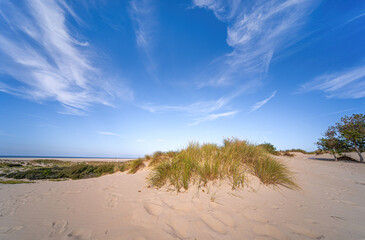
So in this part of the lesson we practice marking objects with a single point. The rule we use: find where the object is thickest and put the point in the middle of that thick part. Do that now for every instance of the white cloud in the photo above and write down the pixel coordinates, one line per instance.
(200, 107)
(108, 133)
(255, 31)
(349, 83)
(43, 56)
(258, 105)
(212, 117)
(141, 12)
(223, 10)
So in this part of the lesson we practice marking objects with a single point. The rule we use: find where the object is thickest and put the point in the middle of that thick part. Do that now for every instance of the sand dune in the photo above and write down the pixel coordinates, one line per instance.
(330, 205)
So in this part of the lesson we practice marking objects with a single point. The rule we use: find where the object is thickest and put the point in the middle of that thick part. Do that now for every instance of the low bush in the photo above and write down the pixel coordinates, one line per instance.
(269, 148)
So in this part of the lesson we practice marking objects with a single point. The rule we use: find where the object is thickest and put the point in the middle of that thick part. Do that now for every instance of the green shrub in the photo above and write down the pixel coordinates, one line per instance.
(269, 148)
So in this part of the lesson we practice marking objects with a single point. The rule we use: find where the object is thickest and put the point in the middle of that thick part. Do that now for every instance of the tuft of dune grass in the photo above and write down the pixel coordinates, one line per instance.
(271, 171)
(136, 165)
(199, 164)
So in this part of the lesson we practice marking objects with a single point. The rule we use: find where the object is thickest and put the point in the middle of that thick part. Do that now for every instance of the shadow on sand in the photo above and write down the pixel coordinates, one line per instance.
(343, 158)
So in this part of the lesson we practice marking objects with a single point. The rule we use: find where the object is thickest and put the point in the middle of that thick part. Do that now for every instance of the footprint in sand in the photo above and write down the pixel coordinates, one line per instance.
(80, 234)
(58, 227)
(179, 228)
(269, 231)
(184, 207)
(110, 188)
(214, 224)
(112, 200)
(254, 215)
(310, 220)
(8, 230)
(302, 231)
(226, 219)
(70, 192)
(153, 209)
(360, 183)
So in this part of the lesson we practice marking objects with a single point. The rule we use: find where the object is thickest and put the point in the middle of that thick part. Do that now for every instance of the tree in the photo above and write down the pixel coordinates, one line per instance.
(331, 142)
(353, 130)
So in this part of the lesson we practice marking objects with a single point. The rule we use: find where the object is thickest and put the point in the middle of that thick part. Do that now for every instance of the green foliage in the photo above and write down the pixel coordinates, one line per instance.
(10, 165)
(352, 129)
(269, 148)
(332, 142)
(199, 164)
(50, 162)
(75, 171)
(13, 181)
(347, 135)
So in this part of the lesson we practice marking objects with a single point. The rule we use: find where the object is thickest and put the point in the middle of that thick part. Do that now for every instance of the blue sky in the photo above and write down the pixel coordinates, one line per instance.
(127, 78)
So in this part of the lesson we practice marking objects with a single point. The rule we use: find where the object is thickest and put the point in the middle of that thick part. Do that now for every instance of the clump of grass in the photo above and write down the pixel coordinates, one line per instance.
(285, 153)
(209, 162)
(159, 157)
(271, 171)
(13, 181)
(136, 165)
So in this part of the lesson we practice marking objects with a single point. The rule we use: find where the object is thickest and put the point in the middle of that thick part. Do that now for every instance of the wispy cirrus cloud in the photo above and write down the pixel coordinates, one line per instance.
(47, 62)
(108, 133)
(348, 83)
(258, 105)
(202, 111)
(142, 14)
(256, 31)
(198, 108)
(212, 117)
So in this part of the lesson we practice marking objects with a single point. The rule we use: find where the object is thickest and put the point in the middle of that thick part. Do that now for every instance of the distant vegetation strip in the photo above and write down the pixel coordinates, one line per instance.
(56, 169)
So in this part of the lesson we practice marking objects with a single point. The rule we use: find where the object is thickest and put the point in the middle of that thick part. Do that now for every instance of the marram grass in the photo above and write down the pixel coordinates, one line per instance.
(199, 164)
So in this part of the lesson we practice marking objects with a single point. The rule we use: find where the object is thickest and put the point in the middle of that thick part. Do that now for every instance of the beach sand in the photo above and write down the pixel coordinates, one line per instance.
(330, 205)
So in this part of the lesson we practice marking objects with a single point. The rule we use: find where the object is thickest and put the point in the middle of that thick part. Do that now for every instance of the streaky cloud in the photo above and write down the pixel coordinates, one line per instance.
(141, 12)
(198, 108)
(212, 117)
(256, 31)
(108, 133)
(348, 83)
(260, 104)
(48, 63)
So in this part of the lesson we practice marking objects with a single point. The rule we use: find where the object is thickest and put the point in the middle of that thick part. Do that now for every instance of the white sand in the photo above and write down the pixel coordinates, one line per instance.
(331, 205)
